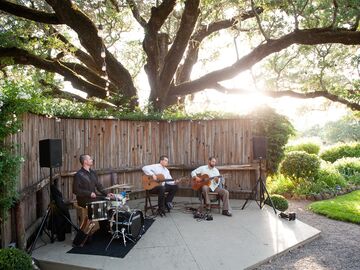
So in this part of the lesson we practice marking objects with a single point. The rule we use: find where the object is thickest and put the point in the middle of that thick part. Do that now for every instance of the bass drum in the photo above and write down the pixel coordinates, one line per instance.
(132, 222)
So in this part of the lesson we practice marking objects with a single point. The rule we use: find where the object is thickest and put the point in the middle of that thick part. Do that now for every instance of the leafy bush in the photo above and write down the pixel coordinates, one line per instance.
(280, 184)
(329, 174)
(349, 168)
(13, 102)
(9, 171)
(308, 147)
(277, 129)
(342, 150)
(13, 258)
(279, 202)
(300, 165)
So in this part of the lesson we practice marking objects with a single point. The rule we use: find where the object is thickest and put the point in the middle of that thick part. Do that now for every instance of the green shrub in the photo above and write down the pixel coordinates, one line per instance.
(329, 174)
(342, 150)
(13, 258)
(308, 147)
(277, 129)
(316, 187)
(349, 168)
(280, 184)
(279, 202)
(300, 165)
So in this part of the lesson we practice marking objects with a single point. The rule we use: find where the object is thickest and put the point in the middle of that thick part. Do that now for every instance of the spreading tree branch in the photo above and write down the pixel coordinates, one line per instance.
(159, 14)
(87, 32)
(28, 13)
(20, 56)
(58, 93)
(304, 37)
(259, 21)
(203, 32)
(290, 93)
(173, 58)
(136, 13)
(151, 42)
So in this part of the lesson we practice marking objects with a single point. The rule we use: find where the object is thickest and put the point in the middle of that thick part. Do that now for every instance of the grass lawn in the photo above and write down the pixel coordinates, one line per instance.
(344, 208)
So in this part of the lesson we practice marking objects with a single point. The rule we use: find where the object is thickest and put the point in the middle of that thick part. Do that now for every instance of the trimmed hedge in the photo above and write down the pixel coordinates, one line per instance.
(300, 165)
(280, 203)
(339, 151)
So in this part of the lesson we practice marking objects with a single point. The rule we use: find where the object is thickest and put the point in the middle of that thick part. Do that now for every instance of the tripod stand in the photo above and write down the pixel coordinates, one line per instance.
(259, 187)
(51, 209)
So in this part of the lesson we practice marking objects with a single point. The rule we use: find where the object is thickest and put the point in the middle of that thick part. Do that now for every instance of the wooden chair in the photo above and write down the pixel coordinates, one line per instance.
(148, 204)
(214, 197)
(214, 200)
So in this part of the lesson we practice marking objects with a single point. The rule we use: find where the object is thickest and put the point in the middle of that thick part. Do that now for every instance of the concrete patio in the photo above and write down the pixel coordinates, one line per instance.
(252, 236)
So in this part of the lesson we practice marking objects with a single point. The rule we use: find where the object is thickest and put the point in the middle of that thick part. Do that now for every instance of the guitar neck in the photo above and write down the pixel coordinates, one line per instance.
(167, 180)
(211, 178)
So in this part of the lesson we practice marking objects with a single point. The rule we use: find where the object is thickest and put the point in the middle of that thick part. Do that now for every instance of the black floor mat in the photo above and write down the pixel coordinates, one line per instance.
(100, 240)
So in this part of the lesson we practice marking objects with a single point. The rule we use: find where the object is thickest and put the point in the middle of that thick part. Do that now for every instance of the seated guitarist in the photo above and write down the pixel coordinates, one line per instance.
(212, 172)
(168, 186)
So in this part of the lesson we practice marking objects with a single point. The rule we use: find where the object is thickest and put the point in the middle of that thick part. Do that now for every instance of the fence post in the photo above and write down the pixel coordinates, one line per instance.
(20, 228)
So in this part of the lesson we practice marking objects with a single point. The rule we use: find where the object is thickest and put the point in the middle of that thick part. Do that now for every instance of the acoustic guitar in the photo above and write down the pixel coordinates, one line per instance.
(212, 182)
(149, 183)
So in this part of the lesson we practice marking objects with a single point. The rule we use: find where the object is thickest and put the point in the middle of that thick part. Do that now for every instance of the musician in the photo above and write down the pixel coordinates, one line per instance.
(86, 183)
(169, 186)
(211, 171)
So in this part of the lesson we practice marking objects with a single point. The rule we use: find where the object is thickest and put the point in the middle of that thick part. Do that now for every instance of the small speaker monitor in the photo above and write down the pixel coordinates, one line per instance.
(50, 153)
(259, 147)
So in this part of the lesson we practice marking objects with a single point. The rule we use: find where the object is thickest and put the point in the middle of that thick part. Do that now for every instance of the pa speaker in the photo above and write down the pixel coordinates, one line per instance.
(50, 153)
(259, 147)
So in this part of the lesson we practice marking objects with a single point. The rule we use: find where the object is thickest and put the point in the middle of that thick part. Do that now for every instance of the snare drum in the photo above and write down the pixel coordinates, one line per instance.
(132, 221)
(98, 210)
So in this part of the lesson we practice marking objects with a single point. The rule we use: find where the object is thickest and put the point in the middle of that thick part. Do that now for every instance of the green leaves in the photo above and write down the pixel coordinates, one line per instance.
(299, 165)
(277, 129)
(10, 163)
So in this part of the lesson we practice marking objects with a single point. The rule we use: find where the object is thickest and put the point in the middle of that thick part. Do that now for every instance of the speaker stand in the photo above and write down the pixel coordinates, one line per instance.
(50, 213)
(259, 189)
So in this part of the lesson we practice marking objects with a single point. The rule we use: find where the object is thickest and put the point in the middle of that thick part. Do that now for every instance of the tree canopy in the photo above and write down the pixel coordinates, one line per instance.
(306, 48)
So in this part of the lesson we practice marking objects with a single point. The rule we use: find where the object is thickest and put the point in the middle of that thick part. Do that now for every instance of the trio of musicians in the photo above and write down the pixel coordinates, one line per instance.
(86, 184)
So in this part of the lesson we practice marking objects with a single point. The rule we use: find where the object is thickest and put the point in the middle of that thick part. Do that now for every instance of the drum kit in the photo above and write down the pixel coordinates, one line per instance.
(123, 222)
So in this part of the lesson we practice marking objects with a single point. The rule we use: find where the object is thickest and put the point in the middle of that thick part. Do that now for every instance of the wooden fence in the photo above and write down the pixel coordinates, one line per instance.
(120, 148)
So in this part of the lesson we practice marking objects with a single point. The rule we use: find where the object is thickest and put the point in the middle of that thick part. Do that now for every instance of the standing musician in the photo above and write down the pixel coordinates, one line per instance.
(212, 172)
(168, 186)
(85, 185)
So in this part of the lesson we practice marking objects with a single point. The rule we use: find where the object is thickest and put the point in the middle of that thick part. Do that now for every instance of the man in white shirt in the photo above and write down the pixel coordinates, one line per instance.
(211, 171)
(165, 186)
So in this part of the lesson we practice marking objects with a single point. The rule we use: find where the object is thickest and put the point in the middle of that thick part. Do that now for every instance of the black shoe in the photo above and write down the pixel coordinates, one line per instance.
(161, 213)
(226, 213)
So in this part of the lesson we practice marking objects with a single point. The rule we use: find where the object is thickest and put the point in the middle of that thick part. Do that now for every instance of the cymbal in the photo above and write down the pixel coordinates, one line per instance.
(123, 186)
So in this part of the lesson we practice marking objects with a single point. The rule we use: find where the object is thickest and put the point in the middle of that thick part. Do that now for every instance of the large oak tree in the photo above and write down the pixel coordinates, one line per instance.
(79, 39)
